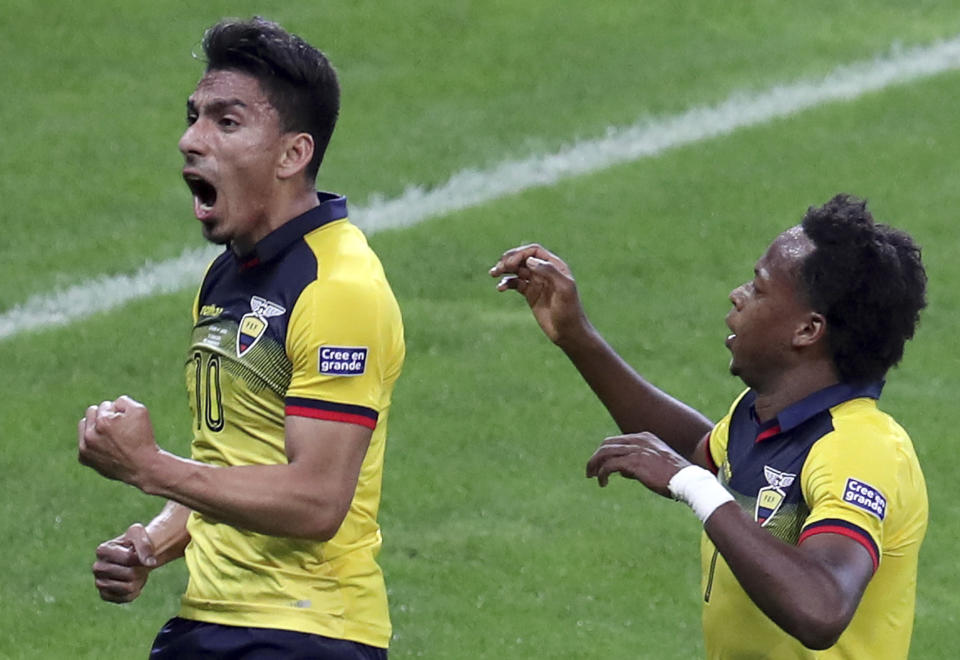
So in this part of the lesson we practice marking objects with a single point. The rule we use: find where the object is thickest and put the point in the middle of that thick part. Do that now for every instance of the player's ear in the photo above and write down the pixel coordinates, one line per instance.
(296, 156)
(811, 330)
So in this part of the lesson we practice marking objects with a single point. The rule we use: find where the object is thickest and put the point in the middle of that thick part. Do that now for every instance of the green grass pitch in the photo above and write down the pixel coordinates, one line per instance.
(495, 544)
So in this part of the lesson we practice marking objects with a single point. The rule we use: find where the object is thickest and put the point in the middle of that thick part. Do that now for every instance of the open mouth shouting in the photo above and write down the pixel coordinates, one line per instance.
(731, 337)
(204, 194)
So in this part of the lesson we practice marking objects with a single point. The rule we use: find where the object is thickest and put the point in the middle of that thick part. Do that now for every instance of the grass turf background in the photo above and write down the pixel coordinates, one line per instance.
(495, 545)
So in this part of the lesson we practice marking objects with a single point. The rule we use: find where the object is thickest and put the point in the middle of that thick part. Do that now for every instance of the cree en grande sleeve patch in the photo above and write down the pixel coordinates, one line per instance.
(342, 360)
(866, 497)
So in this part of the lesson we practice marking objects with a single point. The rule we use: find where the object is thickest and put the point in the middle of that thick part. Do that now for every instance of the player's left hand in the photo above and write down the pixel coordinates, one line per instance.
(640, 456)
(116, 439)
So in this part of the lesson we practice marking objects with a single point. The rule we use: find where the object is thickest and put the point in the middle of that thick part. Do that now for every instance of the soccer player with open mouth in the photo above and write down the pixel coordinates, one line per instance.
(296, 345)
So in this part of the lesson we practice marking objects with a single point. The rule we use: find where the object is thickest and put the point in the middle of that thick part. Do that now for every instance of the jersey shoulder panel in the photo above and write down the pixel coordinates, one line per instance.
(345, 339)
(865, 474)
(204, 286)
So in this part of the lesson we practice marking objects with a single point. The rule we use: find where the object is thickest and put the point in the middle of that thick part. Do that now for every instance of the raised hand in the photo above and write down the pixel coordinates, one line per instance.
(116, 439)
(547, 284)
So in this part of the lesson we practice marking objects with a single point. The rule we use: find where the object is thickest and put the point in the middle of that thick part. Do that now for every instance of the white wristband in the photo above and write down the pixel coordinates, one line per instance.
(700, 490)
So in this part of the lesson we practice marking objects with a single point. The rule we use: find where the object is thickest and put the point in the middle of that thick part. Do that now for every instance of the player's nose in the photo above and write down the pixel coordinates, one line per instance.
(192, 142)
(736, 297)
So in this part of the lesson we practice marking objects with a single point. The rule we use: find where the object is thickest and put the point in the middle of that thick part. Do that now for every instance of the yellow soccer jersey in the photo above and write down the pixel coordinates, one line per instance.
(832, 463)
(305, 326)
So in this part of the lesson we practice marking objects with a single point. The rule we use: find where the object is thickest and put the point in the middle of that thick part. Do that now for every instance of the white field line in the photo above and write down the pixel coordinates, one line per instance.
(647, 137)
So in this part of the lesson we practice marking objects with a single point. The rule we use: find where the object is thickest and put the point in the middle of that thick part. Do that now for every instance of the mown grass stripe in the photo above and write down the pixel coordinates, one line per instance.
(645, 138)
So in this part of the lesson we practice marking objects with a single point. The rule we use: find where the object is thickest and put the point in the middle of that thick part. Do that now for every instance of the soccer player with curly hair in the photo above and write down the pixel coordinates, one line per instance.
(812, 500)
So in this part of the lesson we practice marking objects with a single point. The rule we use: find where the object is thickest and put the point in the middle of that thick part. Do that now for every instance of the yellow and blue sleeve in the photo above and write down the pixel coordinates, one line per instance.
(345, 344)
(847, 487)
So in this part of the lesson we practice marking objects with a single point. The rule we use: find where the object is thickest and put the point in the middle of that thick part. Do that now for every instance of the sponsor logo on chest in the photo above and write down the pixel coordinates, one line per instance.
(210, 311)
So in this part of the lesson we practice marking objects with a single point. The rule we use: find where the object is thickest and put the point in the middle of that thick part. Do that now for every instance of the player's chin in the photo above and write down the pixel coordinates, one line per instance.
(734, 367)
(213, 232)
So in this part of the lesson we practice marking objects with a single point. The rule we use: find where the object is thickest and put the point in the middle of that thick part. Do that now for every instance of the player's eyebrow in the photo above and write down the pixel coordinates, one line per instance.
(761, 273)
(216, 105)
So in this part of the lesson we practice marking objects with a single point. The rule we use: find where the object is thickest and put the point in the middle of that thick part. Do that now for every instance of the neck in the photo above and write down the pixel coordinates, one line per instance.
(300, 204)
(281, 210)
(790, 387)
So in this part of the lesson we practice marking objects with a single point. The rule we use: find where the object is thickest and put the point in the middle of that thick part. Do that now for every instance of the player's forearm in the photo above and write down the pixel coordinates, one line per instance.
(168, 532)
(790, 587)
(635, 404)
(269, 499)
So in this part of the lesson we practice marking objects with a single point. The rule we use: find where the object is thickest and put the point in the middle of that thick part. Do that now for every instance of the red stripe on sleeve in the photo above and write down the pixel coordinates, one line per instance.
(860, 538)
(348, 418)
(710, 463)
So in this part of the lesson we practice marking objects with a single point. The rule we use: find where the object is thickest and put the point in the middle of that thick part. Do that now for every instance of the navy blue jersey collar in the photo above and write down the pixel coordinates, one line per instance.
(332, 207)
(796, 414)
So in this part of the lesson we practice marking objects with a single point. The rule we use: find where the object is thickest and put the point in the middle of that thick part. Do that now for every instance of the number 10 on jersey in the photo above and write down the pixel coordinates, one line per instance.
(208, 393)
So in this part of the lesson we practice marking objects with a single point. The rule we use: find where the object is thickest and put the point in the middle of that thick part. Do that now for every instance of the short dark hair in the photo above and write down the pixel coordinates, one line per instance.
(868, 280)
(297, 79)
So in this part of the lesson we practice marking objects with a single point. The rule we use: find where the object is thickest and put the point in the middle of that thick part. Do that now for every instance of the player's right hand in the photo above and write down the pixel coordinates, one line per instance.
(124, 564)
(548, 286)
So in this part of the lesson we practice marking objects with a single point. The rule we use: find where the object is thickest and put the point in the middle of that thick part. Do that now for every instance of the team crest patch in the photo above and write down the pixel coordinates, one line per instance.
(342, 360)
(866, 497)
(254, 323)
(770, 498)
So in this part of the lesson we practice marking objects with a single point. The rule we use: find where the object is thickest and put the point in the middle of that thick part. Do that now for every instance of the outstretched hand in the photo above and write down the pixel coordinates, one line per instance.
(640, 456)
(546, 283)
(123, 565)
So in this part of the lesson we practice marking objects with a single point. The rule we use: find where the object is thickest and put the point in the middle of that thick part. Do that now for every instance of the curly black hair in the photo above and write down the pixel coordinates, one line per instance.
(868, 280)
(297, 79)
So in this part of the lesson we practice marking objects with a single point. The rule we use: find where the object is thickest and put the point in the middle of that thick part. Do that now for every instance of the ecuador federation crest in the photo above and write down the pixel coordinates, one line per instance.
(254, 323)
(770, 498)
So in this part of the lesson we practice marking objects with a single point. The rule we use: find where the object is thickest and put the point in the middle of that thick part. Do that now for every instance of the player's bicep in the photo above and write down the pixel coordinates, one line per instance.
(328, 454)
(701, 454)
(847, 561)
